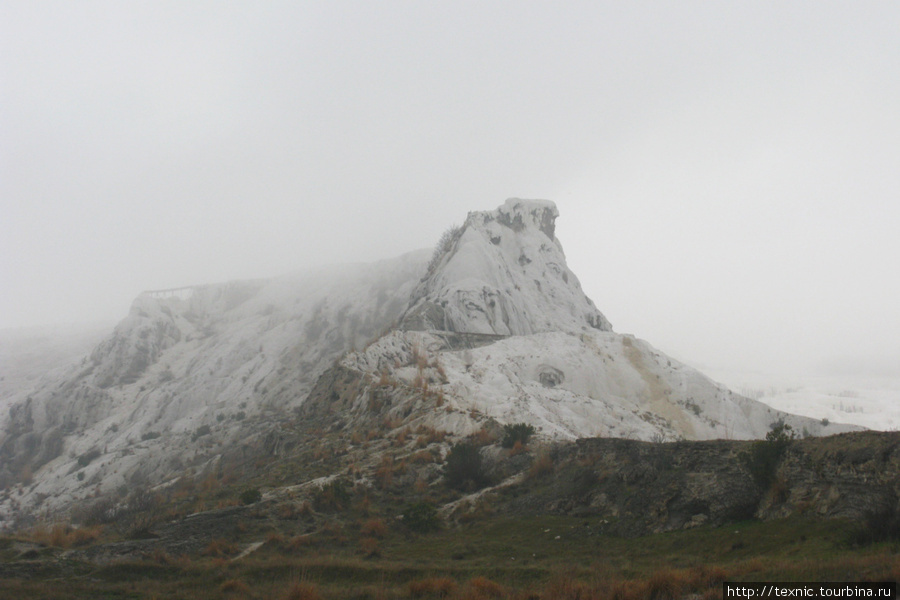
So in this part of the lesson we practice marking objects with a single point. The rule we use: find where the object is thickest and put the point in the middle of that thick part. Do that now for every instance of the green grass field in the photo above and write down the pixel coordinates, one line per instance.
(494, 557)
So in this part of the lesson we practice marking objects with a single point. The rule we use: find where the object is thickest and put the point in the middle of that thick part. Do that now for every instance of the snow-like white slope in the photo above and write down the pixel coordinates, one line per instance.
(570, 386)
(870, 402)
(226, 359)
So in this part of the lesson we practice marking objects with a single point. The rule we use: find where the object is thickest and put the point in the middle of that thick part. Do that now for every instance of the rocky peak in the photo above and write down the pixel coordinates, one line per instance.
(517, 214)
(503, 273)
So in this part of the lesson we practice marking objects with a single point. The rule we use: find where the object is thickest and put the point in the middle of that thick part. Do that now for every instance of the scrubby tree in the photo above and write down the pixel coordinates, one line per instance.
(463, 469)
(520, 432)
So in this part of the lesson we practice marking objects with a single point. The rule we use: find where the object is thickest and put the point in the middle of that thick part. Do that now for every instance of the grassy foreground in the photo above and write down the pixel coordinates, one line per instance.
(545, 558)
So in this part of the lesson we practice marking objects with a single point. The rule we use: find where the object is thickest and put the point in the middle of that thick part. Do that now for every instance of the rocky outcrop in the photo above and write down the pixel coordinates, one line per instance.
(640, 487)
(504, 273)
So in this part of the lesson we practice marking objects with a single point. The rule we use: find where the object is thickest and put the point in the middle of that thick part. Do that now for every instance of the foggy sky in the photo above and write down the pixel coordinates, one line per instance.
(728, 174)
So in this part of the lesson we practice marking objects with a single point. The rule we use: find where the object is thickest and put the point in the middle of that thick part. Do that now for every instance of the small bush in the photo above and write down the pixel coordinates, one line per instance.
(369, 547)
(332, 496)
(374, 528)
(666, 585)
(543, 465)
(88, 457)
(482, 587)
(250, 496)
(236, 587)
(483, 437)
(421, 517)
(219, 548)
(200, 432)
(520, 432)
(433, 587)
(463, 469)
(881, 525)
(302, 591)
(763, 457)
(150, 435)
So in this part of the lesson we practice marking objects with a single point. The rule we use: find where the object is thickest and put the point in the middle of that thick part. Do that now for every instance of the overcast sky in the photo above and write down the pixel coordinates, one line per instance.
(727, 173)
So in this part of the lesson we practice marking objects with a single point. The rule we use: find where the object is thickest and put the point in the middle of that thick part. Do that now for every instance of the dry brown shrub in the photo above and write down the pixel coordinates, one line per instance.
(63, 535)
(667, 585)
(219, 548)
(302, 591)
(402, 437)
(543, 465)
(626, 590)
(420, 358)
(384, 474)
(483, 437)
(482, 587)
(286, 511)
(422, 457)
(440, 370)
(704, 577)
(275, 538)
(236, 587)
(369, 546)
(420, 486)
(518, 448)
(432, 587)
(298, 542)
(374, 528)
(429, 435)
(566, 587)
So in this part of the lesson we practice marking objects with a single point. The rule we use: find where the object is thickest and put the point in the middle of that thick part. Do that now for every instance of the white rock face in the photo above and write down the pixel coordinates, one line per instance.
(191, 373)
(504, 273)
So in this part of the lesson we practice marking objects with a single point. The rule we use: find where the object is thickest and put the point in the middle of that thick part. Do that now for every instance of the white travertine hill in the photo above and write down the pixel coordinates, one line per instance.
(507, 334)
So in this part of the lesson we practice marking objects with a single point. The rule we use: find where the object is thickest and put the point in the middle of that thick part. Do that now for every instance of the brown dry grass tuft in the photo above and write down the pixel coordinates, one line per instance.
(63, 535)
(482, 587)
(369, 547)
(484, 437)
(666, 585)
(543, 465)
(220, 548)
(374, 528)
(432, 587)
(236, 588)
(302, 591)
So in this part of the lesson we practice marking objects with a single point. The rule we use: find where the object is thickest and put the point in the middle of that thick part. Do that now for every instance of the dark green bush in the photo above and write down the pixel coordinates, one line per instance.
(200, 432)
(763, 457)
(251, 496)
(463, 469)
(88, 457)
(332, 496)
(421, 517)
(520, 432)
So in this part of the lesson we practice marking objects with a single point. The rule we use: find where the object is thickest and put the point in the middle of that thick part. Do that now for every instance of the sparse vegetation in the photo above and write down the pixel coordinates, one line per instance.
(444, 245)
